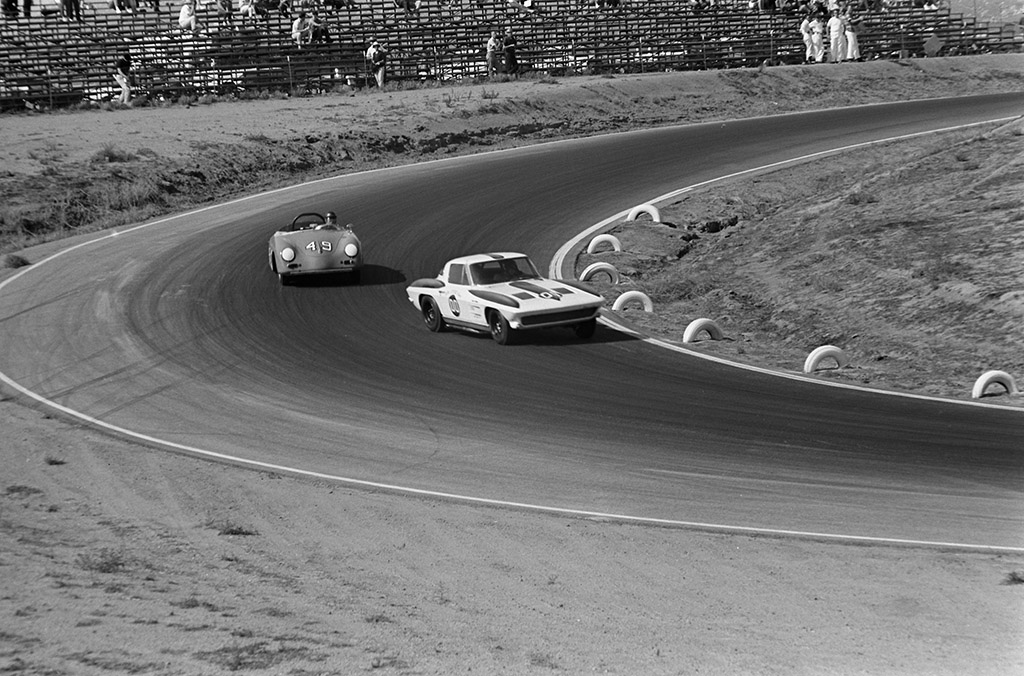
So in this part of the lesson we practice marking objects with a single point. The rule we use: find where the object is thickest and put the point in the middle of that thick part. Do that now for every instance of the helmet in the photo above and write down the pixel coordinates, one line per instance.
(331, 216)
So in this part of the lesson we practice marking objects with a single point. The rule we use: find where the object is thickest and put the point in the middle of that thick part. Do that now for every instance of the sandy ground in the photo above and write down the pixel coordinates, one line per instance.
(116, 558)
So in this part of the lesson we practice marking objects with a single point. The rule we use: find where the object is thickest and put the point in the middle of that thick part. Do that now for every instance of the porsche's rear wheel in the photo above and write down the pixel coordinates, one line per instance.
(501, 332)
(585, 330)
(431, 315)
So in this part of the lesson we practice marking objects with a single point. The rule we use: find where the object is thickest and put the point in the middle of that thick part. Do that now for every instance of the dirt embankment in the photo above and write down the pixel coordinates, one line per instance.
(65, 173)
(908, 256)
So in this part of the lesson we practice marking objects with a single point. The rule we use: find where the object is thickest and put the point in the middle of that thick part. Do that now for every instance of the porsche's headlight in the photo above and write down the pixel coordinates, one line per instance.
(288, 254)
(351, 250)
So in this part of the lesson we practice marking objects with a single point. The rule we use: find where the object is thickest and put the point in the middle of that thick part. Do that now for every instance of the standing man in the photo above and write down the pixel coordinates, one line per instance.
(122, 76)
(511, 63)
(805, 33)
(817, 38)
(852, 46)
(495, 50)
(837, 38)
(376, 55)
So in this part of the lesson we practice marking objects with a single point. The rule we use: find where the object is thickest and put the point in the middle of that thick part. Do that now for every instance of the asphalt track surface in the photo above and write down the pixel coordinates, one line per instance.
(178, 332)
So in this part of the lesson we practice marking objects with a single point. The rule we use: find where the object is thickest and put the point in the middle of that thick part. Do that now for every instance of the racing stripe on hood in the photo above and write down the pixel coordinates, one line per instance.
(540, 290)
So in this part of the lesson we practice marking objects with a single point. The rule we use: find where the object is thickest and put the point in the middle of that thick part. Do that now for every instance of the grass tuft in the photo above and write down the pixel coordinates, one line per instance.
(111, 153)
(22, 490)
(225, 527)
(106, 561)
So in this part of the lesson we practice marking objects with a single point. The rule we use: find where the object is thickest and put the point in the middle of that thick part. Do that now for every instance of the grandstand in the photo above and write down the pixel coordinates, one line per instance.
(49, 61)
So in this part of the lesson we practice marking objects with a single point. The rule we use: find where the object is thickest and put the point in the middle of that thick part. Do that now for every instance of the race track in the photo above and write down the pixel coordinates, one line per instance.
(178, 332)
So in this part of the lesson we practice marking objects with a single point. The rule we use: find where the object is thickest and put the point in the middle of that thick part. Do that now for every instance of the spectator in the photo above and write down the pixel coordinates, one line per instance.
(26, 9)
(409, 7)
(376, 55)
(494, 53)
(187, 17)
(247, 10)
(806, 34)
(509, 45)
(122, 76)
(123, 6)
(10, 9)
(301, 30)
(284, 8)
(837, 38)
(225, 13)
(817, 38)
(852, 46)
(319, 32)
(72, 10)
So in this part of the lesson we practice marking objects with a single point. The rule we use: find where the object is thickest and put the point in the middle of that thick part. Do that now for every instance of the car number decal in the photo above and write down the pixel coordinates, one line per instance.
(453, 303)
(320, 247)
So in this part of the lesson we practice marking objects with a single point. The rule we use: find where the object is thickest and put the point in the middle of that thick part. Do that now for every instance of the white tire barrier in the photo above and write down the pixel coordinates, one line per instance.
(649, 209)
(694, 329)
(631, 296)
(604, 239)
(597, 268)
(993, 378)
(824, 352)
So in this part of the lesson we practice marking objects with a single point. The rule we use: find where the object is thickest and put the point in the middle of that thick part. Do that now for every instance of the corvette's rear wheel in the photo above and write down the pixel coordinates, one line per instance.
(585, 330)
(500, 330)
(431, 315)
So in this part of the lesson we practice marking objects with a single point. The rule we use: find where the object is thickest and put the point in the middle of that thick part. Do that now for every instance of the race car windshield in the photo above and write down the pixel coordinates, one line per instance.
(505, 270)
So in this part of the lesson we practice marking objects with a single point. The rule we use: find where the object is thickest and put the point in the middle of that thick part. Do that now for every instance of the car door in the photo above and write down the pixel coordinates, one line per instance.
(459, 306)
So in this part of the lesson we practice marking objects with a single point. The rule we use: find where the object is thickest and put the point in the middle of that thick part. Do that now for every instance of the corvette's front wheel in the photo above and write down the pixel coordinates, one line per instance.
(431, 315)
(500, 330)
(585, 330)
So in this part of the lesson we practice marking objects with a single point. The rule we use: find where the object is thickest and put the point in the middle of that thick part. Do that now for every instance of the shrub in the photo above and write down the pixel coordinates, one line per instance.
(1014, 577)
(14, 261)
